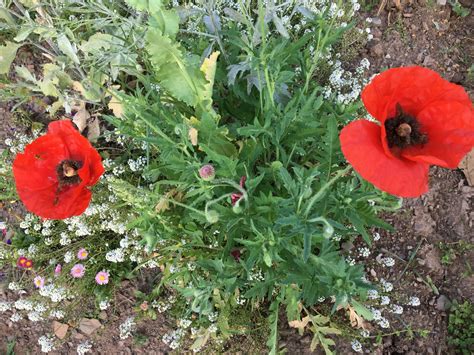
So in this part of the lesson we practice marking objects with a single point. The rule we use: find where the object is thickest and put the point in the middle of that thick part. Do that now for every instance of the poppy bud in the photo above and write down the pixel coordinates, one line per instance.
(212, 217)
(236, 254)
(207, 172)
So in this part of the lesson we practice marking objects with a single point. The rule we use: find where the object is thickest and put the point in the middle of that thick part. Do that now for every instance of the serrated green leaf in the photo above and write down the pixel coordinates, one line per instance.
(167, 21)
(7, 56)
(362, 310)
(182, 81)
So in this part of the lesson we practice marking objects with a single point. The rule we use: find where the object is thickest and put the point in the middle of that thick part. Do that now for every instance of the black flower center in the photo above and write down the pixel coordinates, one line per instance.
(67, 172)
(404, 130)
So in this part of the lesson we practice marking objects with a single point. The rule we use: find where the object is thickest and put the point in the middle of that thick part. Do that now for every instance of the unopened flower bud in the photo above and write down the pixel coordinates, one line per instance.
(207, 172)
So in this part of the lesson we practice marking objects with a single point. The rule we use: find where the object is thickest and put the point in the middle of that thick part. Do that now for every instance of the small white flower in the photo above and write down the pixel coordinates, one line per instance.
(46, 343)
(127, 327)
(384, 300)
(383, 323)
(372, 294)
(356, 346)
(365, 333)
(84, 347)
(414, 301)
(397, 309)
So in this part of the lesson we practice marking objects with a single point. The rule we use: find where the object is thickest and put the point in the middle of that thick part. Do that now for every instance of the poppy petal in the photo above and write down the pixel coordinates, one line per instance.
(414, 88)
(36, 175)
(362, 147)
(450, 130)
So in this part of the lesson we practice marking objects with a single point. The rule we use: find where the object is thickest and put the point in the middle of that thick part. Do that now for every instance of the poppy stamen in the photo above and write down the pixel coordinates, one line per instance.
(404, 130)
(67, 171)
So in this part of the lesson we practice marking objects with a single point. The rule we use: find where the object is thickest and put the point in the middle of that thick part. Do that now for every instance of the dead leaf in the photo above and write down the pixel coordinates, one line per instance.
(193, 135)
(93, 129)
(356, 320)
(163, 203)
(116, 106)
(77, 86)
(467, 166)
(299, 324)
(81, 117)
(60, 329)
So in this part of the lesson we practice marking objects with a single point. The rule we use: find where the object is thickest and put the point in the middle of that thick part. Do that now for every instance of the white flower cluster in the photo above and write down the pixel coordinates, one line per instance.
(386, 286)
(5, 306)
(397, 309)
(372, 294)
(414, 301)
(173, 339)
(19, 141)
(54, 293)
(46, 343)
(127, 327)
(84, 347)
(356, 346)
(364, 252)
(344, 85)
(387, 261)
(137, 164)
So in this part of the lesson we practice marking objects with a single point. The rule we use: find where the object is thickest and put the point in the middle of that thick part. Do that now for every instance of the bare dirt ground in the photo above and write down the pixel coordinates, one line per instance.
(429, 263)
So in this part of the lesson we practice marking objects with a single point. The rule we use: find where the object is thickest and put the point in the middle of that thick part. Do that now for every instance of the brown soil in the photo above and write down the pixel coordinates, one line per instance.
(421, 34)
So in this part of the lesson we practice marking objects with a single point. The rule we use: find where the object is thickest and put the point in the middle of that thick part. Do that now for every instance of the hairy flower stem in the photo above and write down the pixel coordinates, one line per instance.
(323, 189)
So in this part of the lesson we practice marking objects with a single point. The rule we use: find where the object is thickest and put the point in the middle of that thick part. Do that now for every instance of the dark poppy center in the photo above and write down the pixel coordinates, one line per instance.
(67, 172)
(404, 130)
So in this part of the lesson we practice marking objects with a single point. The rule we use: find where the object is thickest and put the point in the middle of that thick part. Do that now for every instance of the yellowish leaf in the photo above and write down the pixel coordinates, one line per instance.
(208, 67)
(299, 324)
(77, 86)
(193, 135)
(356, 320)
(81, 117)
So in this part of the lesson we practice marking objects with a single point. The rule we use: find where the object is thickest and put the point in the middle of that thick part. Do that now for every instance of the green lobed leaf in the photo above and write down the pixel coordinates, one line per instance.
(7, 56)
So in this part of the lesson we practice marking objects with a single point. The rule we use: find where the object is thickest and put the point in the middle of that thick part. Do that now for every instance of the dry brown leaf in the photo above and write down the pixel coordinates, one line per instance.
(193, 135)
(356, 320)
(299, 324)
(93, 129)
(77, 86)
(116, 106)
(163, 203)
(81, 117)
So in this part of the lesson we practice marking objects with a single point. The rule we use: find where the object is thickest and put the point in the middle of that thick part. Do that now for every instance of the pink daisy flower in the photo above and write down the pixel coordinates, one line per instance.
(57, 270)
(82, 254)
(102, 277)
(78, 271)
(38, 281)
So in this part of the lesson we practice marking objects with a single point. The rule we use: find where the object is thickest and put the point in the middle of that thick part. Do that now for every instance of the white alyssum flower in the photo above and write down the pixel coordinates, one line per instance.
(356, 346)
(56, 314)
(5, 306)
(364, 252)
(23, 305)
(13, 286)
(372, 294)
(173, 339)
(384, 300)
(388, 261)
(16, 317)
(184, 323)
(127, 327)
(115, 255)
(376, 236)
(68, 257)
(383, 323)
(104, 304)
(386, 286)
(46, 343)
(84, 347)
(364, 333)
(414, 301)
(397, 309)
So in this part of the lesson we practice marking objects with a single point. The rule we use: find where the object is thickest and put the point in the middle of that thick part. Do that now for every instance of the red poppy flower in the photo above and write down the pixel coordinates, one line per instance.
(422, 119)
(53, 174)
